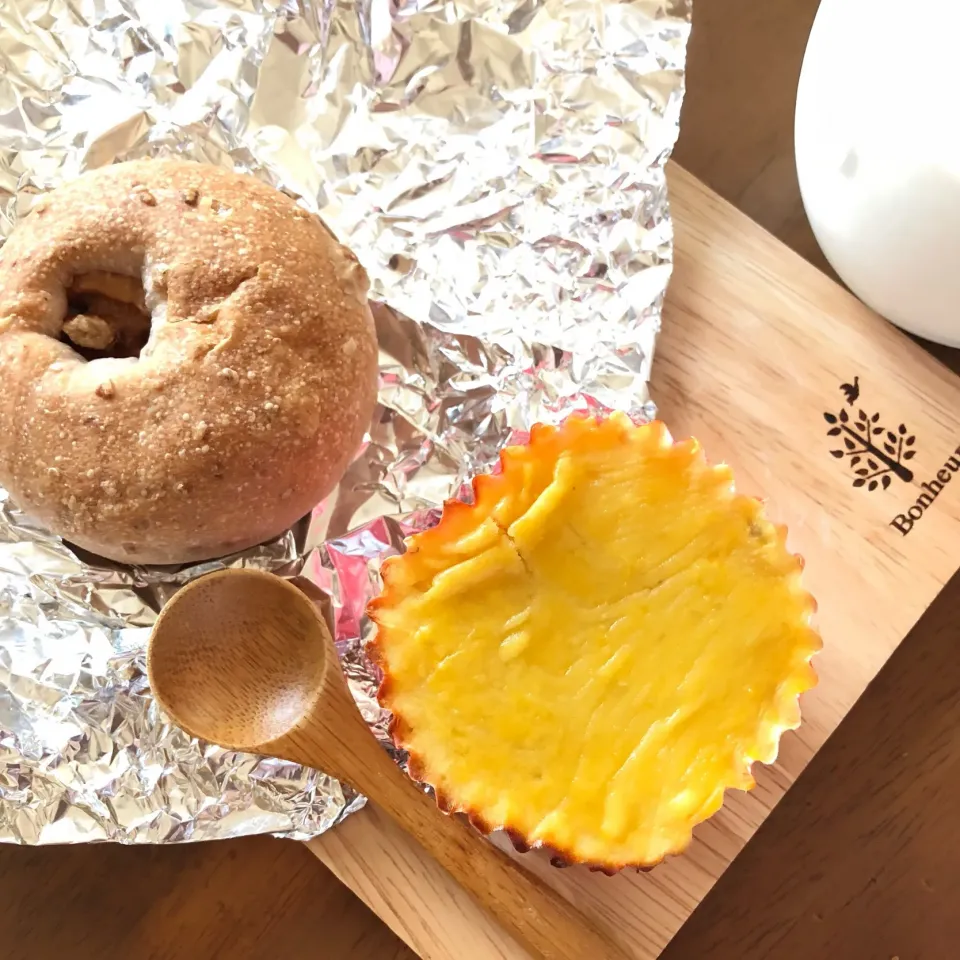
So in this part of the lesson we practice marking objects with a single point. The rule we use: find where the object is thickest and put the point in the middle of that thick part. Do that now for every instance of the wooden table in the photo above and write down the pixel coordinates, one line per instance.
(862, 859)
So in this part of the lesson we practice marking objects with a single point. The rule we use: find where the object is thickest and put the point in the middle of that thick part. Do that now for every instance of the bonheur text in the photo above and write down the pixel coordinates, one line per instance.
(931, 490)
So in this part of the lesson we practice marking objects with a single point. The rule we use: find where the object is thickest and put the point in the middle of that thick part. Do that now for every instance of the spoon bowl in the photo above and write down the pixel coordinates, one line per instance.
(200, 661)
(245, 660)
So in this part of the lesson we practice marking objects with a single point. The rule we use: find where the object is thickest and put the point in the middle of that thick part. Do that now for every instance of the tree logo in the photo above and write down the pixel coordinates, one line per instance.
(875, 453)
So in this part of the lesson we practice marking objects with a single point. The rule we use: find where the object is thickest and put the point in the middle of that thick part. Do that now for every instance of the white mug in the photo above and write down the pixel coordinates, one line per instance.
(878, 155)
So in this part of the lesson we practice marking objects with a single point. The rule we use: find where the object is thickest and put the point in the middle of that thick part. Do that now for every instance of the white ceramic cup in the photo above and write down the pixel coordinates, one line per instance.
(878, 155)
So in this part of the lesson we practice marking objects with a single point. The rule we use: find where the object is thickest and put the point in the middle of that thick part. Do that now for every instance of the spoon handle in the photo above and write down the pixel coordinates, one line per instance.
(549, 926)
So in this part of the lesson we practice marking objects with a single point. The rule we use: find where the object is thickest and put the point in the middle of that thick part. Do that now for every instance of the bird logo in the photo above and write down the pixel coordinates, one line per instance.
(851, 390)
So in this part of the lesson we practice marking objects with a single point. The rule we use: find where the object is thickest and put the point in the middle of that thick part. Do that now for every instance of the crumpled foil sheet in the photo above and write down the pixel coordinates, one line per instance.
(497, 165)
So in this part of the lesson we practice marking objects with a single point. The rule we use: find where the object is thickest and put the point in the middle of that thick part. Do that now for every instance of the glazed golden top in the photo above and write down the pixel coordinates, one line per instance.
(598, 647)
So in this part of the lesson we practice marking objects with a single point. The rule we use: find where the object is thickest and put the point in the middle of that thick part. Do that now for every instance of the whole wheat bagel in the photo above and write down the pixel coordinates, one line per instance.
(187, 361)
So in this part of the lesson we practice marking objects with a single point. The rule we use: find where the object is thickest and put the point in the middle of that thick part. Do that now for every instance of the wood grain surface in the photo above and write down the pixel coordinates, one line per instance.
(859, 860)
(252, 899)
(862, 858)
(756, 344)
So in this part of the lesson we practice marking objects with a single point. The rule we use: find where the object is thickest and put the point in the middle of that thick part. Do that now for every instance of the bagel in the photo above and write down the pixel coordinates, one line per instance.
(187, 359)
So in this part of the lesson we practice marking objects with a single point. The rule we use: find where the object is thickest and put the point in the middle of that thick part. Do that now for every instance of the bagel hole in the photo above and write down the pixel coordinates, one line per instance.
(106, 316)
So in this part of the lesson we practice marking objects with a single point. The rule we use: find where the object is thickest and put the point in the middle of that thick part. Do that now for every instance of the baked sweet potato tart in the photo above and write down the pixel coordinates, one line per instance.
(596, 648)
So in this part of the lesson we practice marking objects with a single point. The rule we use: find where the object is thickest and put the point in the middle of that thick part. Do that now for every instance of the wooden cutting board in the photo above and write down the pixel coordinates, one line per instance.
(756, 347)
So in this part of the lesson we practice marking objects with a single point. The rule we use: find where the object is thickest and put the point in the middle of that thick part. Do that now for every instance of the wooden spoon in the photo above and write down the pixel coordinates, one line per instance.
(245, 660)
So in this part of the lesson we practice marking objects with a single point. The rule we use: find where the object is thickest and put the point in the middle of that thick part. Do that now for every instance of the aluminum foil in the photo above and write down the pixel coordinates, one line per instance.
(497, 165)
